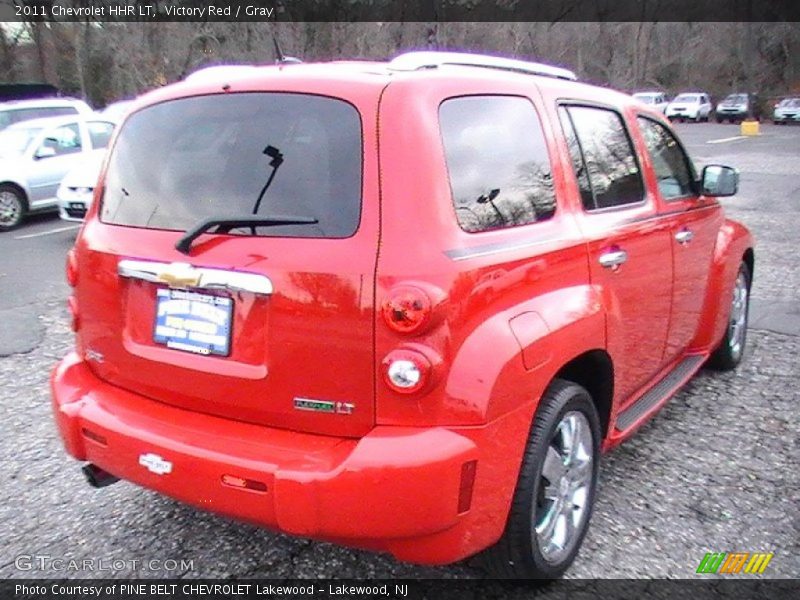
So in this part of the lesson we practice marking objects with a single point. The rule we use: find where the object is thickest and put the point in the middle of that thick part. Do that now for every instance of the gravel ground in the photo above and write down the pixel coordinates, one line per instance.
(716, 470)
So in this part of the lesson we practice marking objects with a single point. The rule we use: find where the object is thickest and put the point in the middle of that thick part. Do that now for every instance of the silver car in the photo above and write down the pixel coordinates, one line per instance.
(35, 156)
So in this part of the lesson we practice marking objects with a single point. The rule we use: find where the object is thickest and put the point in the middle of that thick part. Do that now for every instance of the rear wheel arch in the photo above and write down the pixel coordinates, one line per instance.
(14, 206)
(594, 371)
(18, 188)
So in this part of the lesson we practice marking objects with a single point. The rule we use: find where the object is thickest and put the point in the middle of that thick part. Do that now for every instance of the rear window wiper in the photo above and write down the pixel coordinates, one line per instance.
(225, 224)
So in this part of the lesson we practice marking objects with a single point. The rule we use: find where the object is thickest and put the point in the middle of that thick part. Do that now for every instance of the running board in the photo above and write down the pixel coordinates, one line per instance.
(660, 391)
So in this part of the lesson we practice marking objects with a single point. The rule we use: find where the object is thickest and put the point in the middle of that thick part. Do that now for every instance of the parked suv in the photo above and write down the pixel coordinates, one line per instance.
(657, 100)
(402, 306)
(738, 107)
(694, 106)
(786, 111)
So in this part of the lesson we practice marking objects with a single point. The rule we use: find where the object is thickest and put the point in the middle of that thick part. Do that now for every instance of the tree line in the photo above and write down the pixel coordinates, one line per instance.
(104, 61)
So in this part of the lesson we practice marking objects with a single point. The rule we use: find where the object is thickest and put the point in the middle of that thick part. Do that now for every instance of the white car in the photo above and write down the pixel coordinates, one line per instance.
(15, 111)
(35, 156)
(77, 188)
(655, 100)
(116, 111)
(786, 111)
(694, 106)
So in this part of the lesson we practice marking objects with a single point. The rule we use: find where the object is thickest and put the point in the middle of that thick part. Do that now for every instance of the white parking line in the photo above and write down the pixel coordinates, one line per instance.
(43, 233)
(730, 139)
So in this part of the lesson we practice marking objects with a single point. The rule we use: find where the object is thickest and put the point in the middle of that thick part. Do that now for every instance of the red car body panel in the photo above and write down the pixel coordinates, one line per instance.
(426, 476)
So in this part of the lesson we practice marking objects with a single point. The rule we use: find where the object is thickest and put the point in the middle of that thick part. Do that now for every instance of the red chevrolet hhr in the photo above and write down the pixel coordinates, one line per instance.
(402, 306)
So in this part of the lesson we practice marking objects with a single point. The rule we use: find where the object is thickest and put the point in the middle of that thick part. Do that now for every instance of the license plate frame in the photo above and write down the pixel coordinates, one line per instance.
(193, 322)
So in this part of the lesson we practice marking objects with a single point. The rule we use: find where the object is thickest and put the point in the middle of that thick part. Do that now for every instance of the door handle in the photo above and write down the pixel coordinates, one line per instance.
(684, 236)
(613, 259)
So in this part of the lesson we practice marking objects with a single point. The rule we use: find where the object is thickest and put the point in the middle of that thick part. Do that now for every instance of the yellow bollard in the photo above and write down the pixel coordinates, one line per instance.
(749, 128)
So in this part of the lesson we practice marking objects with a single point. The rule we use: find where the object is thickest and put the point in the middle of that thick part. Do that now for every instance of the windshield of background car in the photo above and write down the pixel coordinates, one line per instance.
(736, 99)
(689, 98)
(16, 115)
(14, 142)
(179, 162)
(646, 98)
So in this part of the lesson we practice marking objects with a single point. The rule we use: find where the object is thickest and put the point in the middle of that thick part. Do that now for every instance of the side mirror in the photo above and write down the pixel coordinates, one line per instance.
(719, 180)
(44, 152)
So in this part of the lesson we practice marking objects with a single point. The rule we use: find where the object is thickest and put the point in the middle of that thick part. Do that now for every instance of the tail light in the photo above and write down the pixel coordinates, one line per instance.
(406, 371)
(72, 280)
(72, 305)
(72, 268)
(407, 309)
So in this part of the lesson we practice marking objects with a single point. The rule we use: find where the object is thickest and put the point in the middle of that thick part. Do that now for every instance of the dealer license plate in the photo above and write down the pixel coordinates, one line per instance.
(192, 322)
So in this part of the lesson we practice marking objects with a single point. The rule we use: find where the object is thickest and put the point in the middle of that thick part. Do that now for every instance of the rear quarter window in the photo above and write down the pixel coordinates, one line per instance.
(183, 161)
(497, 162)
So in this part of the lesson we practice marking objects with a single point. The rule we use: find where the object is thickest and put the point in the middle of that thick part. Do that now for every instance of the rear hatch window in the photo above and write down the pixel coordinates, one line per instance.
(233, 155)
(270, 324)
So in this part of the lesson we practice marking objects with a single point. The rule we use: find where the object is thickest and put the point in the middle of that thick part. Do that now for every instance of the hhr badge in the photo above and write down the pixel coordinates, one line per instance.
(324, 406)
(155, 464)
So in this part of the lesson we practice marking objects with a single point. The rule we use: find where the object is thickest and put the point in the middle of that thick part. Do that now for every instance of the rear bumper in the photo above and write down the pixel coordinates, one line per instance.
(396, 489)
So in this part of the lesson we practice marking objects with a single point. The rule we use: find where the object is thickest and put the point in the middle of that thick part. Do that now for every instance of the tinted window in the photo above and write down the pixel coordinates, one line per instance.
(497, 161)
(9, 117)
(63, 140)
(670, 163)
(183, 161)
(606, 157)
(100, 133)
(587, 198)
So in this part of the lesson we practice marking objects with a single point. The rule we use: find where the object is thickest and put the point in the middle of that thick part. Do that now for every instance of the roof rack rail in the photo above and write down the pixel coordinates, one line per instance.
(413, 61)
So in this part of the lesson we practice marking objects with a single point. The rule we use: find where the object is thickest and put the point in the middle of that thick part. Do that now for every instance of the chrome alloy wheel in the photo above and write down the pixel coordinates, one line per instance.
(737, 325)
(10, 208)
(564, 488)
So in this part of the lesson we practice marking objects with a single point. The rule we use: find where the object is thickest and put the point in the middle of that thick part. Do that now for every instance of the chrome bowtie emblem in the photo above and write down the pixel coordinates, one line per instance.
(155, 464)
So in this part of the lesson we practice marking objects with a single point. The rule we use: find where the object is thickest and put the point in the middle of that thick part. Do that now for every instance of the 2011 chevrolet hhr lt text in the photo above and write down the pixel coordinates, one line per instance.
(401, 306)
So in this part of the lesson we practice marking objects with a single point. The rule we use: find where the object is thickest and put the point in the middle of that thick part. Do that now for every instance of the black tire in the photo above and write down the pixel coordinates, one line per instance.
(731, 349)
(12, 207)
(519, 553)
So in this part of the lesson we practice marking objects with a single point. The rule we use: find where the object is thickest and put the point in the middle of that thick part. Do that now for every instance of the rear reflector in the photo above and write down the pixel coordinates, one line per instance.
(72, 268)
(244, 484)
(95, 437)
(72, 305)
(467, 483)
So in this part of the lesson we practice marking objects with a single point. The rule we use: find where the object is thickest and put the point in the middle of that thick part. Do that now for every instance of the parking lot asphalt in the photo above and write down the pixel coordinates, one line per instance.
(716, 470)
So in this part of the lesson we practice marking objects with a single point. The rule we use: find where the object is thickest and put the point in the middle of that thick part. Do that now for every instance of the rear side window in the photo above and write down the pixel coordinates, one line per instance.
(63, 140)
(497, 161)
(603, 157)
(233, 155)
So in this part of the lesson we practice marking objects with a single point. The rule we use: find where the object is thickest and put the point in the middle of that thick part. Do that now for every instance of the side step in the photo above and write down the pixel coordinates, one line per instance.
(660, 391)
